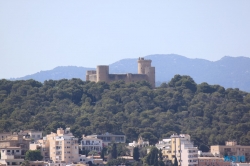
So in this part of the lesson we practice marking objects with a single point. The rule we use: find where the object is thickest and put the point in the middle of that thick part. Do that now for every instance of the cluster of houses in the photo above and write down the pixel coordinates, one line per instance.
(58, 149)
(62, 149)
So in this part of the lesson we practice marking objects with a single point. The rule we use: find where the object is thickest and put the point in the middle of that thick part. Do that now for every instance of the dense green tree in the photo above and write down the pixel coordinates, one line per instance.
(136, 154)
(152, 157)
(103, 152)
(119, 161)
(211, 114)
(122, 149)
(33, 155)
(114, 151)
(175, 162)
(25, 163)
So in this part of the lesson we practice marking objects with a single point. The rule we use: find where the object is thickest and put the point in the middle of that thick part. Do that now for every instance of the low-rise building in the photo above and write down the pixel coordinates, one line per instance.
(165, 146)
(11, 156)
(207, 161)
(37, 163)
(91, 144)
(109, 138)
(139, 143)
(205, 154)
(32, 134)
(15, 140)
(233, 150)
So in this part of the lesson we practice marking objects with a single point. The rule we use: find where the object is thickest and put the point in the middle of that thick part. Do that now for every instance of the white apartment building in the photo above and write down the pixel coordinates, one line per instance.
(109, 138)
(139, 143)
(181, 147)
(164, 144)
(91, 144)
(188, 155)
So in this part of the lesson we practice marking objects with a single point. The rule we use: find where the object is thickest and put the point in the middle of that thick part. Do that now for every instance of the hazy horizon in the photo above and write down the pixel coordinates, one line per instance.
(41, 35)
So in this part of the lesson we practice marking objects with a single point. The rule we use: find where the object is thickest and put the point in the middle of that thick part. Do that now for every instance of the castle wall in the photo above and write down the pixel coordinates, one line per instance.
(89, 73)
(92, 78)
(145, 72)
(150, 72)
(127, 77)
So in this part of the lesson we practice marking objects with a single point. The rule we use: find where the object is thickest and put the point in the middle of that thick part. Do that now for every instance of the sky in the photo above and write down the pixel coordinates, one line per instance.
(38, 35)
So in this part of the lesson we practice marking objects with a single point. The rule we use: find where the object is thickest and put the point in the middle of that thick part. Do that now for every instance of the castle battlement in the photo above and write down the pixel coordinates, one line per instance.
(145, 72)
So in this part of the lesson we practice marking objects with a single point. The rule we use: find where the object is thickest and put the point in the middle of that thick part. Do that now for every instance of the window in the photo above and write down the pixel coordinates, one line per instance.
(17, 150)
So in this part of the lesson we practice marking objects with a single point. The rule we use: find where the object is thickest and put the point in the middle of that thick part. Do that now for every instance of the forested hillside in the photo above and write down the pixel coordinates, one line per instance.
(209, 113)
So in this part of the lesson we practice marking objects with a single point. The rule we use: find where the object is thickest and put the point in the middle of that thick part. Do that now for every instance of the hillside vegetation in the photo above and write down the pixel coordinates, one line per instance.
(211, 114)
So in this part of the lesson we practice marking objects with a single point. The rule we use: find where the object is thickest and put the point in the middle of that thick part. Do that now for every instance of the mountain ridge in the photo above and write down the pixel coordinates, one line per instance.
(230, 72)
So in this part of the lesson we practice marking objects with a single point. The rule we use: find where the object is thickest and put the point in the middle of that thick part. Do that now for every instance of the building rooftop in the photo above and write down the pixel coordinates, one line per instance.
(210, 158)
(12, 147)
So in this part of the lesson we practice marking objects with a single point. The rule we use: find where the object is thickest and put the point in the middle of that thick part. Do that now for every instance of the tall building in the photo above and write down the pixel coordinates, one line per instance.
(60, 147)
(145, 72)
(181, 147)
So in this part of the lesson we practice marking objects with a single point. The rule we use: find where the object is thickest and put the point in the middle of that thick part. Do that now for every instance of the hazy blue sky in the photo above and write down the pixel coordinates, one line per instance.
(39, 35)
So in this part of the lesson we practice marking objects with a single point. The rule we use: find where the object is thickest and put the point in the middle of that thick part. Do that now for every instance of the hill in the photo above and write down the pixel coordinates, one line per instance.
(60, 72)
(230, 72)
(211, 114)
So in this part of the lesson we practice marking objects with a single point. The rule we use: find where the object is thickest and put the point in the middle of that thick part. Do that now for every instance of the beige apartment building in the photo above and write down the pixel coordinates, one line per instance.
(15, 140)
(181, 147)
(231, 149)
(32, 134)
(59, 147)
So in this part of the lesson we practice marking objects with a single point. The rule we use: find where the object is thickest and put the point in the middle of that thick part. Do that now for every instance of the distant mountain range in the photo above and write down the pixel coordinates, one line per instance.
(230, 72)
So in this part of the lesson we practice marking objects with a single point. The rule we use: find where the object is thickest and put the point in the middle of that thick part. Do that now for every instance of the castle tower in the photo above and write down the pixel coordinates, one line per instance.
(102, 73)
(142, 64)
(144, 67)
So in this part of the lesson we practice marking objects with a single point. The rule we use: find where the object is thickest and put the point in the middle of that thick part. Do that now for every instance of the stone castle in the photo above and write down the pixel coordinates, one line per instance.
(145, 72)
